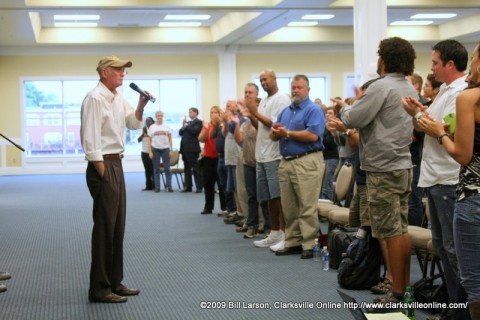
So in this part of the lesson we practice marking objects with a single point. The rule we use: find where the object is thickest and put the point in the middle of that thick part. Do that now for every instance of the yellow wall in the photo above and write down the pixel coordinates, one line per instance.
(335, 64)
(248, 64)
(13, 68)
(14, 156)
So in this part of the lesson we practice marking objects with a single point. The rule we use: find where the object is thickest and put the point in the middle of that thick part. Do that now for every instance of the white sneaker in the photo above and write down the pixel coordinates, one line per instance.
(279, 246)
(268, 241)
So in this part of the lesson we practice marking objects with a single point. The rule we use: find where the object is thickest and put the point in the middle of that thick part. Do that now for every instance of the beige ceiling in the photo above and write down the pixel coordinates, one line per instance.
(29, 23)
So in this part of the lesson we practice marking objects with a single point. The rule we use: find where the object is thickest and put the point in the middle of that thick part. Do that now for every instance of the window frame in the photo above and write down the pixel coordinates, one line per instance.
(65, 158)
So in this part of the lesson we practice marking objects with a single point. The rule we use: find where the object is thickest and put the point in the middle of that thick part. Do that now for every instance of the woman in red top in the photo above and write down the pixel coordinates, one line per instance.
(209, 161)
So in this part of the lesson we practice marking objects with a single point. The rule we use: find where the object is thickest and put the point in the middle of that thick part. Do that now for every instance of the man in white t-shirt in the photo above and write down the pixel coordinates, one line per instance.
(439, 172)
(268, 157)
(160, 146)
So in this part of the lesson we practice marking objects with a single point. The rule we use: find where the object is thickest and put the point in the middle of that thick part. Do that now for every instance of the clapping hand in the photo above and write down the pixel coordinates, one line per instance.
(336, 124)
(432, 127)
(234, 118)
(412, 106)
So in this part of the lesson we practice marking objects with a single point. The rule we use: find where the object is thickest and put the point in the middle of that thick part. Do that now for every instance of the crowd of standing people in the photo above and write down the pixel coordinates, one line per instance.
(267, 158)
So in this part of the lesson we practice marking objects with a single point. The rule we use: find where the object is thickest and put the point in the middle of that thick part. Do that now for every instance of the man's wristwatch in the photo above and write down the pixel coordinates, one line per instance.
(439, 139)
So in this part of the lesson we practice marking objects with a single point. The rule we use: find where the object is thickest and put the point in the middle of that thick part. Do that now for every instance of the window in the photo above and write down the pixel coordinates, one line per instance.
(349, 89)
(319, 86)
(52, 111)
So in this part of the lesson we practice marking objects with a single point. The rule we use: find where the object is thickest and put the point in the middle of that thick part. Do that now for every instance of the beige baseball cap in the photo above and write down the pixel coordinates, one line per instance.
(113, 61)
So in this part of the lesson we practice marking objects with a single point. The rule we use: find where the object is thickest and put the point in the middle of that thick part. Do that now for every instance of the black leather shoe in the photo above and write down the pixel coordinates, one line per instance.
(307, 254)
(109, 298)
(289, 250)
(3, 288)
(199, 191)
(206, 212)
(4, 276)
(124, 291)
(186, 190)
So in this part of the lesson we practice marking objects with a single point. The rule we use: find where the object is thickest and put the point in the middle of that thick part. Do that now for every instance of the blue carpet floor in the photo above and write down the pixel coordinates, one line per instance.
(182, 261)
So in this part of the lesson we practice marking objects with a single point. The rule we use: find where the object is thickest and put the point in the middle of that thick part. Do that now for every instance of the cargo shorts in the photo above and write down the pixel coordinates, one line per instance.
(388, 194)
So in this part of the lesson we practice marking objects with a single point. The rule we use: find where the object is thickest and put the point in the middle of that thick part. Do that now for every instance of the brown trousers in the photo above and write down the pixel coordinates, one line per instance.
(109, 205)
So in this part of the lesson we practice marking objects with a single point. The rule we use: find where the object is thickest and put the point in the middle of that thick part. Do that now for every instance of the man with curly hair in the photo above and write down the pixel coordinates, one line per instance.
(385, 137)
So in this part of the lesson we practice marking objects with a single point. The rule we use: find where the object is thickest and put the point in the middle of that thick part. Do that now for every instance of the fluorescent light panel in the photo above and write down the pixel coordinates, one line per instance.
(187, 17)
(433, 16)
(411, 23)
(75, 24)
(180, 24)
(76, 17)
(302, 23)
(318, 16)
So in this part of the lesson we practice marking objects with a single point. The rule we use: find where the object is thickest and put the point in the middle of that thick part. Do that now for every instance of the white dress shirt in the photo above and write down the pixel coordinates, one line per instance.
(104, 117)
(437, 166)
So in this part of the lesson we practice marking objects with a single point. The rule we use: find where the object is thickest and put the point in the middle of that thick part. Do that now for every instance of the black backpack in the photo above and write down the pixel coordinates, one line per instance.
(360, 268)
(338, 241)
(427, 291)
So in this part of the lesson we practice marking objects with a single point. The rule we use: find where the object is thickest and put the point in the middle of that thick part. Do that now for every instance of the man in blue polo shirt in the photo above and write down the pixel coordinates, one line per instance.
(300, 129)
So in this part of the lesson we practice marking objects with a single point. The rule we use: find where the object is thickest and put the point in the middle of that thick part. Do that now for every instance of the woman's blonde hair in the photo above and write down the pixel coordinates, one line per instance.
(217, 108)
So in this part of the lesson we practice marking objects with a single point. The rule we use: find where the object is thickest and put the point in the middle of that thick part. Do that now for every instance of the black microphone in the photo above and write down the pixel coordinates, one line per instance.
(143, 93)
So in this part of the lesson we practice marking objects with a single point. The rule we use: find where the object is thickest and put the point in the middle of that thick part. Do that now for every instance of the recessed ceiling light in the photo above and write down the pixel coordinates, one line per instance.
(76, 17)
(411, 23)
(187, 17)
(180, 24)
(302, 23)
(433, 16)
(318, 16)
(75, 24)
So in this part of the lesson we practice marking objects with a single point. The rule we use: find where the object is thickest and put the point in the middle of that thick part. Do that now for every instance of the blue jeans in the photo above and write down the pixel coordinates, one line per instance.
(327, 188)
(441, 201)
(466, 222)
(164, 155)
(222, 184)
(231, 178)
(250, 175)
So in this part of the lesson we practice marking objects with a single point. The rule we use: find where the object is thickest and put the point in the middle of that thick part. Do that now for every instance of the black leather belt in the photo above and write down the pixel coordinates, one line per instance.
(288, 158)
(220, 155)
(113, 156)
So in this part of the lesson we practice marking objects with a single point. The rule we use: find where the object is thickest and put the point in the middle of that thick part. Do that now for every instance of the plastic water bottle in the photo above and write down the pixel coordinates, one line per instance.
(408, 299)
(325, 258)
(316, 252)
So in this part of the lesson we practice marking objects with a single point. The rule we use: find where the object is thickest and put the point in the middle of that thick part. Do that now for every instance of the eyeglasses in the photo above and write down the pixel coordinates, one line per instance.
(120, 70)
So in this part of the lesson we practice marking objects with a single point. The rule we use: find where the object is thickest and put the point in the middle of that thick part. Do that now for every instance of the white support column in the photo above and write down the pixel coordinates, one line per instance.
(369, 28)
(227, 69)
